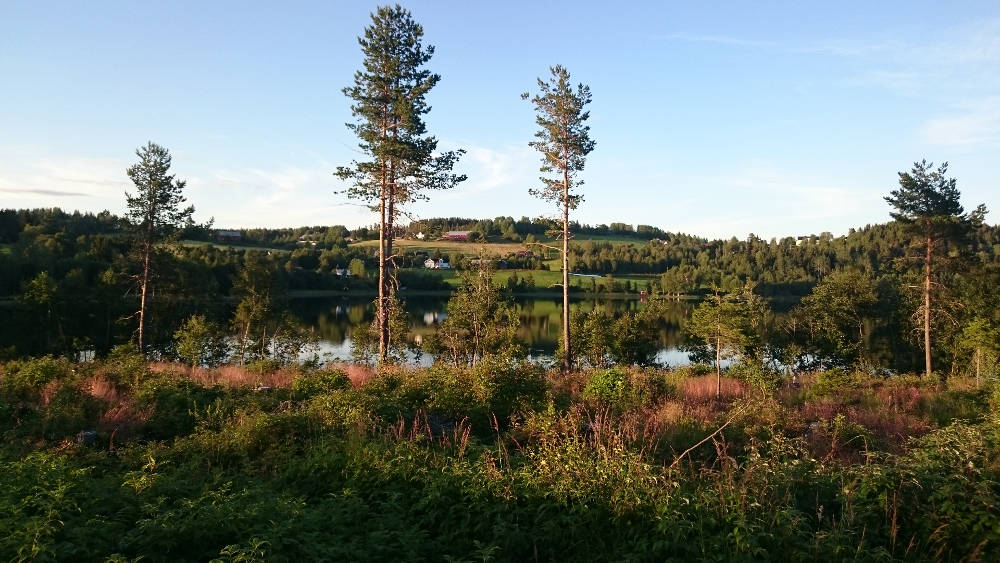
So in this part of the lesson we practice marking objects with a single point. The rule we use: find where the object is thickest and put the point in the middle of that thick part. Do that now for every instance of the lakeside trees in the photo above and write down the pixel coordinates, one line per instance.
(155, 212)
(727, 325)
(388, 102)
(564, 140)
(481, 323)
(927, 203)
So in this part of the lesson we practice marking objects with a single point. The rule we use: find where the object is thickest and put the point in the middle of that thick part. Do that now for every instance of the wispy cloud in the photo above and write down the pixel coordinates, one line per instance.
(975, 122)
(762, 197)
(32, 178)
(494, 168)
(42, 191)
(285, 195)
(956, 69)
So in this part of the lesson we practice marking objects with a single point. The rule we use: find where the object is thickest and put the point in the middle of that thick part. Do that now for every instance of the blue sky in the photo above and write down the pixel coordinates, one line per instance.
(713, 118)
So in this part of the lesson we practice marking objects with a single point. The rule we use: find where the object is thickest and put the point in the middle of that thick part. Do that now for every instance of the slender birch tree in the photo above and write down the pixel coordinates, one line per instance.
(563, 139)
(401, 160)
(155, 213)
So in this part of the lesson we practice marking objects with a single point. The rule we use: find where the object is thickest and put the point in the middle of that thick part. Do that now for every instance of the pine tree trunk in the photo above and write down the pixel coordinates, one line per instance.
(383, 309)
(146, 250)
(567, 351)
(390, 235)
(927, 309)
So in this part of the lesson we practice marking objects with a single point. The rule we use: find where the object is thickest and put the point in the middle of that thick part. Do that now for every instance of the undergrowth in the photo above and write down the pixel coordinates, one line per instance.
(502, 462)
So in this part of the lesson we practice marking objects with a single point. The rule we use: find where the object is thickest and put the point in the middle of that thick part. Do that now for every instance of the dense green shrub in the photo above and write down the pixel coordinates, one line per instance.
(832, 382)
(313, 383)
(608, 386)
(27, 378)
(126, 366)
(172, 402)
(506, 388)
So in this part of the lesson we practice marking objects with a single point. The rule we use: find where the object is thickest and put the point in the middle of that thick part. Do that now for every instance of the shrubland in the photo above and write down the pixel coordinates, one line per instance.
(121, 460)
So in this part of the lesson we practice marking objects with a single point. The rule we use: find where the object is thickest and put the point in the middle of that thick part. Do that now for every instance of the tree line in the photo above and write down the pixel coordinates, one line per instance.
(49, 255)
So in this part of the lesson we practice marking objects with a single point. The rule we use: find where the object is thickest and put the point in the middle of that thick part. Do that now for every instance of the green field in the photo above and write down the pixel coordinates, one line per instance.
(239, 247)
(447, 246)
(543, 278)
(495, 247)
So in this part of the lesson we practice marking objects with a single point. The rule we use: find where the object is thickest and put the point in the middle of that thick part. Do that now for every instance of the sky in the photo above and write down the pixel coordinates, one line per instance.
(717, 119)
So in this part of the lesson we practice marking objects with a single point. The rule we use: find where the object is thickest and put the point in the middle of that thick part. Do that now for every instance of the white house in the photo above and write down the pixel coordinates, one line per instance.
(440, 264)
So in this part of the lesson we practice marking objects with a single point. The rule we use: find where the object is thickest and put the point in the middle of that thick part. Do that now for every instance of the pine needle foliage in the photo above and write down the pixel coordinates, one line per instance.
(563, 139)
(401, 161)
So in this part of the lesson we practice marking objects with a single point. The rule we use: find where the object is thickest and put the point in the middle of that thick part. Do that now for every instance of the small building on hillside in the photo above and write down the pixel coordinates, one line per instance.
(457, 235)
(439, 264)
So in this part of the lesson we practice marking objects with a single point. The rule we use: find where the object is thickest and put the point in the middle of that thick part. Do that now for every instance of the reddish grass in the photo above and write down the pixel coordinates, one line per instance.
(899, 398)
(666, 414)
(964, 384)
(229, 376)
(167, 367)
(893, 427)
(703, 388)
(99, 387)
(123, 419)
(821, 409)
(705, 412)
(49, 391)
(358, 374)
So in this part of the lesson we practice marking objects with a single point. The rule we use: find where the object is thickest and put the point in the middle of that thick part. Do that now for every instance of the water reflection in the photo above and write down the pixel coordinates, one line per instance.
(335, 319)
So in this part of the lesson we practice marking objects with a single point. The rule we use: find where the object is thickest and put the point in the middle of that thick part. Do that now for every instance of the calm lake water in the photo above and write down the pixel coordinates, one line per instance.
(336, 318)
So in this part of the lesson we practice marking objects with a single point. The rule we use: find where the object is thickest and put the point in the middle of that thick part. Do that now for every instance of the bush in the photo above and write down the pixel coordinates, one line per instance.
(833, 381)
(507, 388)
(621, 388)
(755, 373)
(173, 402)
(27, 378)
(201, 342)
(608, 386)
(126, 366)
(314, 383)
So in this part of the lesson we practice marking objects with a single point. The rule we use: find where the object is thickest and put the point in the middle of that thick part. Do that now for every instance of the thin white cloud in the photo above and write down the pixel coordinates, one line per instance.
(973, 123)
(762, 198)
(30, 178)
(284, 196)
(490, 169)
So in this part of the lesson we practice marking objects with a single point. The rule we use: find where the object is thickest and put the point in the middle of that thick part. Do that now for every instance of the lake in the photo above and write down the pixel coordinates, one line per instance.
(335, 319)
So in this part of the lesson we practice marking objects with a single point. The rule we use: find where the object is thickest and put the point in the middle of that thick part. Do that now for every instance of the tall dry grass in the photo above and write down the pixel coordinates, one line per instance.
(703, 388)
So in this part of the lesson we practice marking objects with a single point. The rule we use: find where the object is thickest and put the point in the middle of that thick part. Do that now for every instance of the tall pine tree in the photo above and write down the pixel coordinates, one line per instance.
(402, 162)
(564, 140)
(927, 202)
(154, 212)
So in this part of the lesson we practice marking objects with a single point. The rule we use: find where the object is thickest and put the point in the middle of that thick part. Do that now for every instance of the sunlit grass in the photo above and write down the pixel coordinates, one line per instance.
(240, 247)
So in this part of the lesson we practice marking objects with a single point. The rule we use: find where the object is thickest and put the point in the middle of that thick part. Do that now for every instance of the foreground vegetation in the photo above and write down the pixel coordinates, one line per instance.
(501, 462)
